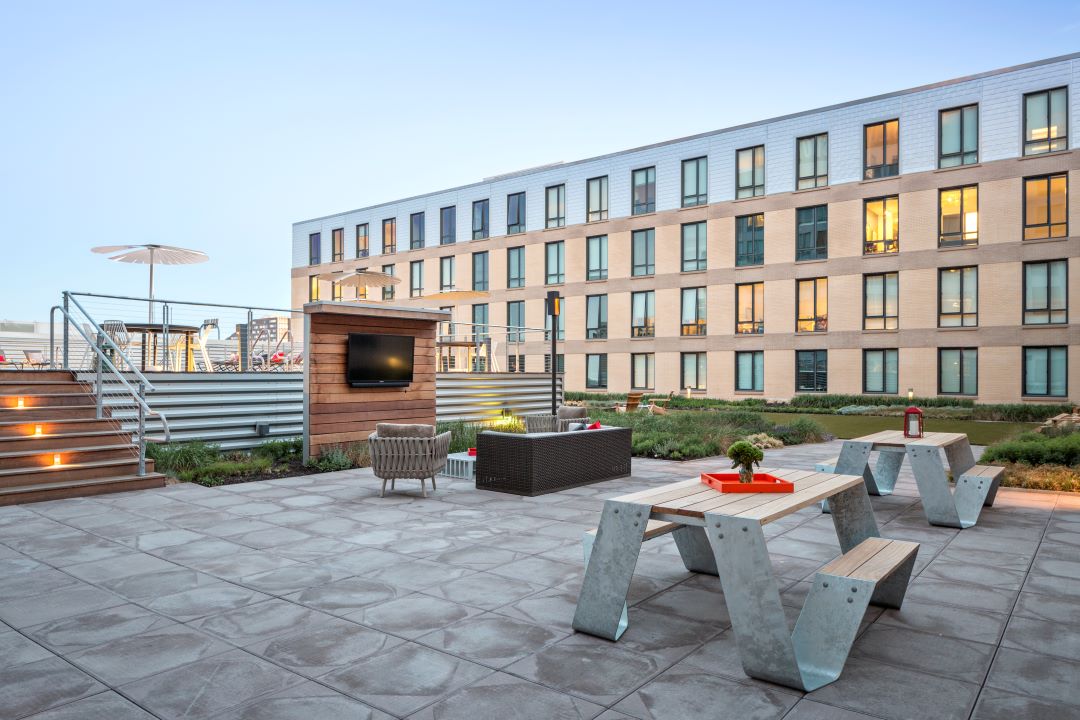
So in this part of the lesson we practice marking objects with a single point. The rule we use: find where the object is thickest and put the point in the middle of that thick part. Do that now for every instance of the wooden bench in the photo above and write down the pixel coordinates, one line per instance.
(877, 560)
(653, 529)
(984, 478)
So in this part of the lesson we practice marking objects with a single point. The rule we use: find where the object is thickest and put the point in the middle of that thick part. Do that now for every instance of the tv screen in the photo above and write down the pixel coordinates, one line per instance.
(379, 360)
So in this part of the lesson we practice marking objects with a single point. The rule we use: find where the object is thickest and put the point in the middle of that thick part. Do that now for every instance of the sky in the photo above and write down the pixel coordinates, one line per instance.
(216, 125)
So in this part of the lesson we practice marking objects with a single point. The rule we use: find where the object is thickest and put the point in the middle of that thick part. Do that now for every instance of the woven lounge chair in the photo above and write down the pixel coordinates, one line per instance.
(559, 422)
(407, 451)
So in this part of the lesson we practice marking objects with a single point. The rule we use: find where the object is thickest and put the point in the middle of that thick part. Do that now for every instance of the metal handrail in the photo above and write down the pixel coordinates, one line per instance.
(103, 361)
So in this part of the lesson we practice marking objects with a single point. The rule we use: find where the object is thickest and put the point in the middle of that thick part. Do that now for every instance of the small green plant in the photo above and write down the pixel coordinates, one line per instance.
(280, 451)
(175, 458)
(764, 441)
(332, 460)
(217, 472)
(745, 456)
(1035, 449)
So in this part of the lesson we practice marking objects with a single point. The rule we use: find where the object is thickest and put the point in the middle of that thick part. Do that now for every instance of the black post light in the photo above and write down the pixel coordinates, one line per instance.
(554, 308)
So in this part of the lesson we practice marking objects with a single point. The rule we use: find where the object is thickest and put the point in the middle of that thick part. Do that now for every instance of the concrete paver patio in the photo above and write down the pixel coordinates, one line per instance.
(312, 597)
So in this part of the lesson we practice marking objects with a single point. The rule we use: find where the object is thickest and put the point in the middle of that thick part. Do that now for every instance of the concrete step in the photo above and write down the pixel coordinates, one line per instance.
(78, 488)
(46, 457)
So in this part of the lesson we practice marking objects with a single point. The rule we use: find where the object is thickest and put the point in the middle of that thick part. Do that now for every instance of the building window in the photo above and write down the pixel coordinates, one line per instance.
(448, 225)
(362, 248)
(750, 371)
(596, 371)
(480, 321)
(958, 297)
(695, 182)
(416, 278)
(416, 231)
(446, 273)
(750, 172)
(560, 364)
(881, 306)
(480, 271)
(361, 290)
(515, 267)
(515, 213)
(750, 240)
(642, 370)
(694, 247)
(515, 319)
(958, 371)
(313, 288)
(643, 314)
(560, 332)
(388, 291)
(881, 150)
(515, 363)
(314, 248)
(882, 227)
(337, 244)
(750, 308)
(596, 199)
(479, 219)
(880, 371)
(693, 311)
(389, 236)
(959, 216)
(596, 257)
(694, 370)
(643, 184)
(812, 154)
(812, 301)
(335, 291)
(812, 233)
(811, 371)
(1046, 293)
(1046, 207)
(1046, 371)
(643, 252)
(555, 263)
(595, 317)
(958, 136)
(1046, 121)
(555, 206)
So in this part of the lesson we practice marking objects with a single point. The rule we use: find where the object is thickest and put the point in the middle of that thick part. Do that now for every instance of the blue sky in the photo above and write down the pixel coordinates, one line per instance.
(216, 125)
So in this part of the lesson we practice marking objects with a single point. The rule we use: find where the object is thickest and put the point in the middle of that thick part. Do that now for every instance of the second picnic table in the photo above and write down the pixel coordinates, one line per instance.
(722, 534)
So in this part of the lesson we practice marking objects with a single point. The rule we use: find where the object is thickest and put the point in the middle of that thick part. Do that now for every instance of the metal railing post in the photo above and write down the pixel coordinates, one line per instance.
(98, 389)
(250, 342)
(166, 346)
(142, 428)
(67, 339)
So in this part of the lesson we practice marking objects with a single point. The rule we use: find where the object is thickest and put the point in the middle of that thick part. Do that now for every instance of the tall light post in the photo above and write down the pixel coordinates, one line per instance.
(554, 308)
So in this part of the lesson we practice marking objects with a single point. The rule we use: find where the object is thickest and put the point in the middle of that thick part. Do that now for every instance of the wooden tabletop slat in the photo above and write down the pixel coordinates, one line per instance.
(801, 478)
(669, 490)
(800, 499)
(706, 493)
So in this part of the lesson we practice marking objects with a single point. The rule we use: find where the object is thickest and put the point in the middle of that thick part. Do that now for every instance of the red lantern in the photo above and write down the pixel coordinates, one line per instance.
(913, 422)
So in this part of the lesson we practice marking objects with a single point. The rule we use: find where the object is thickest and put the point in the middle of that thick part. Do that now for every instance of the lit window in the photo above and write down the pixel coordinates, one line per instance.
(1046, 121)
(693, 311)
(959, 221)
(1046, 207)
(812, 301)
(389, 236)
(313, 288)
(362, 240)
(882, 226)
(337, 244)
(750, 308)
(881, 150)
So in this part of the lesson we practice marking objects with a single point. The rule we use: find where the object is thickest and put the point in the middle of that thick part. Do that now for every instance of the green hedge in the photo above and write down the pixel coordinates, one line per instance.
(1036, 449)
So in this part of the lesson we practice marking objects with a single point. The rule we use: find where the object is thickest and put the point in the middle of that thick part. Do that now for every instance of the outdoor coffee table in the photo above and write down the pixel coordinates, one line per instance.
(722, 533)
(460, 465)
(976, 485)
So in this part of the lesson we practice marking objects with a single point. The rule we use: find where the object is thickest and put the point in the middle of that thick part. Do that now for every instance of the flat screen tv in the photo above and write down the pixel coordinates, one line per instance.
(379, 360)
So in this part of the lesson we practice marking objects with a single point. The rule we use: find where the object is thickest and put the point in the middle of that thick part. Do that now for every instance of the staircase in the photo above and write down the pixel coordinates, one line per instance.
(54, 446)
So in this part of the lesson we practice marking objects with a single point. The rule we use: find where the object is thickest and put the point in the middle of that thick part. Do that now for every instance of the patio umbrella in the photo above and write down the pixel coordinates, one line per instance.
(361, 278)
(458, 295)
(152, 255)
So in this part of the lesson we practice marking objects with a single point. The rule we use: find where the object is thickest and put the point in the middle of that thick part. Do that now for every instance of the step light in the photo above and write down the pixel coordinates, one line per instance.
(20, 404)
(56, 459)
(37, 430)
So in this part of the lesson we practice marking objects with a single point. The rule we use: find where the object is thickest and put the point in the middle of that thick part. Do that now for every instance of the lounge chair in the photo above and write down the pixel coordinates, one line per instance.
(559, 422)
(633, 401)
(7, 361)
(36, 359)
(407, 451)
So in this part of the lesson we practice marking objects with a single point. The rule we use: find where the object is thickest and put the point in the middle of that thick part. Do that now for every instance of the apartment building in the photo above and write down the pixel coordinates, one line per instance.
(921, 239)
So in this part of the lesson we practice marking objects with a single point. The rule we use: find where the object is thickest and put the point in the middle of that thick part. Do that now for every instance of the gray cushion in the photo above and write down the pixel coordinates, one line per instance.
(404, 431)
(567, 412)
(577, 426)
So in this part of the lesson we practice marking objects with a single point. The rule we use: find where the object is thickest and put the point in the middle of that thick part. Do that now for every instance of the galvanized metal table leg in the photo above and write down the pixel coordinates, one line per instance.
(854, 459)
(853, 517)
(753, 599)
(970, 497)
(827, 627)
(937, 498)
(694, 547)
(601, 607)
(960, 457)
(887, 470)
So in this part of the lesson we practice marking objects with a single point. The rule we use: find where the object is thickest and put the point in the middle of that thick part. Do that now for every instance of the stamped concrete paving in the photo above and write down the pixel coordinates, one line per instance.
(312, 597)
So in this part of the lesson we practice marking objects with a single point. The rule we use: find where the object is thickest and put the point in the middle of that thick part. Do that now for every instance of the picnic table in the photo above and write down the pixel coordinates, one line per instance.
(722, 534)
(976, 485)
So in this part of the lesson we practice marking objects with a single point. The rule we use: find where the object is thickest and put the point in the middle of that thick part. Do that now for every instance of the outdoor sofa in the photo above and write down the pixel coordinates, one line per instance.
(539, 463)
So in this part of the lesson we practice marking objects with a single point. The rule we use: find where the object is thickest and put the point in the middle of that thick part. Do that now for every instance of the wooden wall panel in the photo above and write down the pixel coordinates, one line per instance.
(336, 414)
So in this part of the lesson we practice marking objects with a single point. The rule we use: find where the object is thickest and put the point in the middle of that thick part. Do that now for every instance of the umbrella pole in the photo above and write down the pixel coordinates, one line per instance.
(151, 313)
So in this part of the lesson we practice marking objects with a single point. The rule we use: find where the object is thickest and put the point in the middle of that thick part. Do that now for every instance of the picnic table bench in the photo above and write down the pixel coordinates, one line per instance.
(722, 534)
(976, 485)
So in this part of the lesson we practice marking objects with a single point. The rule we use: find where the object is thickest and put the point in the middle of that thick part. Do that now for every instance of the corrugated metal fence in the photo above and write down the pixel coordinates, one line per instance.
(232, 409)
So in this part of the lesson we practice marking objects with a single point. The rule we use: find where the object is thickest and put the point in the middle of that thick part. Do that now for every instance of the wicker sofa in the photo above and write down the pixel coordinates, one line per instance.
(539, 463)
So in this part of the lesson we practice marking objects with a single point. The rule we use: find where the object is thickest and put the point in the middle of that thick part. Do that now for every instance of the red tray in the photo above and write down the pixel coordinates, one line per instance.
(763, 483)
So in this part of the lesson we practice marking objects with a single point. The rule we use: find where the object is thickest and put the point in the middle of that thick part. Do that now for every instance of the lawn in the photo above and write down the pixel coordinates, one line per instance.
(849, 426)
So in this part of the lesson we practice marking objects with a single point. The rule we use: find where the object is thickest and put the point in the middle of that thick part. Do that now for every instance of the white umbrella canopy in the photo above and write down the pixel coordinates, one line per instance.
(151, 254)
(453, 295)
(361, 278)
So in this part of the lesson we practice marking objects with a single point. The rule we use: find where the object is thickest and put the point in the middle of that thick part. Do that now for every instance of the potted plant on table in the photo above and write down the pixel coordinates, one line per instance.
(745, 456)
